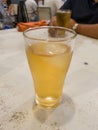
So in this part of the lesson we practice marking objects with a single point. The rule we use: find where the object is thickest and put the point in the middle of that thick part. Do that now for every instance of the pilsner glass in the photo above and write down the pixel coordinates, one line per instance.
(49, 54)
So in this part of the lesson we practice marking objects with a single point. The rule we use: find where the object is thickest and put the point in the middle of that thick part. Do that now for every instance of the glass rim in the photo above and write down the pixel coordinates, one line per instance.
(54, 27)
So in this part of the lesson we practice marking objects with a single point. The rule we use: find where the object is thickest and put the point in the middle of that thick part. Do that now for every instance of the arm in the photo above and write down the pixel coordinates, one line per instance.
(90, 30)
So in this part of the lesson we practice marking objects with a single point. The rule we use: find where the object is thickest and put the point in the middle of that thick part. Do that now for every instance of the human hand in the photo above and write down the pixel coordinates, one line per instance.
(53, 21)
(72, 22)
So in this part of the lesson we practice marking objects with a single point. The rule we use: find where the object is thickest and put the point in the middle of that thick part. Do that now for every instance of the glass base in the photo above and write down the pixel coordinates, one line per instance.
(48, 102)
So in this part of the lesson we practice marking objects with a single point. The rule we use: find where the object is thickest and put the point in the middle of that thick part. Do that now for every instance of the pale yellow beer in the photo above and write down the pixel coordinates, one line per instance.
(49, 54)
(49, 64)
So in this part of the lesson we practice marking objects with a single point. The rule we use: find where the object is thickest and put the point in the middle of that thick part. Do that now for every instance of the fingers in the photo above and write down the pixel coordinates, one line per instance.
(53, 21)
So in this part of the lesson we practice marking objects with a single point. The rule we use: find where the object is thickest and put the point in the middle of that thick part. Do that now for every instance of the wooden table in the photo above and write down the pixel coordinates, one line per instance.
(79, 107)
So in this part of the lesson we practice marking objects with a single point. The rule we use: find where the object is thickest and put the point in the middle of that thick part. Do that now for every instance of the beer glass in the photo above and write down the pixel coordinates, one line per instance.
(63, 17)
(49, 54)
